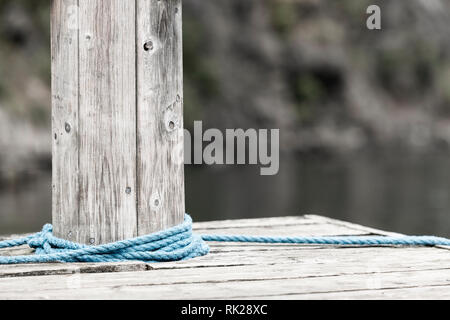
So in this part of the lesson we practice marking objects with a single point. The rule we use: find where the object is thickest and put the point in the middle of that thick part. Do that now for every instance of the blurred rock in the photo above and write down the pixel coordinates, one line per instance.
(25, 149)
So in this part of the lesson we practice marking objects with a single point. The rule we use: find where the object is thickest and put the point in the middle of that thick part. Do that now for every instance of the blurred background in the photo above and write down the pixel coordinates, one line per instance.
(364, 115)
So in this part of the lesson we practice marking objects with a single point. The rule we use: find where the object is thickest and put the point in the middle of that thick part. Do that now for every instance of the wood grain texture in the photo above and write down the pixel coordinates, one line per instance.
(117, 105)
(235, 284)
(65, 93)
(107, 137)
(160, 166)
(250, 271)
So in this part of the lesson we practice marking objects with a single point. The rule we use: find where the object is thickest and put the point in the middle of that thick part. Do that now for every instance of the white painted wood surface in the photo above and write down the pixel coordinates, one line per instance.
(249, 271)
(117, 104)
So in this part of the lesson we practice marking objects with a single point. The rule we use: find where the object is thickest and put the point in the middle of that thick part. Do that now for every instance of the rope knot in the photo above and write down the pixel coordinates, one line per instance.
(41, 239)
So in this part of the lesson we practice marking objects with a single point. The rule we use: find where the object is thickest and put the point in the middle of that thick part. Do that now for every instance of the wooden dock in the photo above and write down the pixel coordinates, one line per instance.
(249, 271)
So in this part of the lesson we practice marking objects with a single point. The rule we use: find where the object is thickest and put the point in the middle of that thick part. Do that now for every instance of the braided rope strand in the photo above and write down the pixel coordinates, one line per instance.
(346, 240)
(175, 244)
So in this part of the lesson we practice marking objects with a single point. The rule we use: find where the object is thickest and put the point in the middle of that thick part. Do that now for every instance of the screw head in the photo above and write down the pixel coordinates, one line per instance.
(67, 127)
(128, 190)
(92, 241)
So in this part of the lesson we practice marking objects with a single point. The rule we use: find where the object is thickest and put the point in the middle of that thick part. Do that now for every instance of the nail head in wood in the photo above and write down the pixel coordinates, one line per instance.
(148, 46)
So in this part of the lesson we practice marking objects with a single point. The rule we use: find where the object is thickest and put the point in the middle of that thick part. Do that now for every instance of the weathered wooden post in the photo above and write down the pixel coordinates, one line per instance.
(117, 100)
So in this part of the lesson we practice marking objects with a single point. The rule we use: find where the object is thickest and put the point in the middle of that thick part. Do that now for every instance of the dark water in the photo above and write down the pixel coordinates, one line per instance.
(402, 193)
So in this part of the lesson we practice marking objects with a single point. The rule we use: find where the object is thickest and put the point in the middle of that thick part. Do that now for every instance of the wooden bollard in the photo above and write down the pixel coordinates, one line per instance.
(117, 111)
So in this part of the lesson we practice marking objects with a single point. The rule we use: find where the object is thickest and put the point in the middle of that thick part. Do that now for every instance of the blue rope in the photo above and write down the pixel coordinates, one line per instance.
(174, 244)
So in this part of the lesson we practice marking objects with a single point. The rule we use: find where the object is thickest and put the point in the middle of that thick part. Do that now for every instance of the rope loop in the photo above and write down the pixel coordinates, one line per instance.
(174, 244)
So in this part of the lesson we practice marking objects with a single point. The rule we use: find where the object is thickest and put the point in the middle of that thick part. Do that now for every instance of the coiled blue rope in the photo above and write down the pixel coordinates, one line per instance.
(175, 244)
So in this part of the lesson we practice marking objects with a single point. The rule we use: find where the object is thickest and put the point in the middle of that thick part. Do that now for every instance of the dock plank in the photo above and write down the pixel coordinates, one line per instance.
(246, 271)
